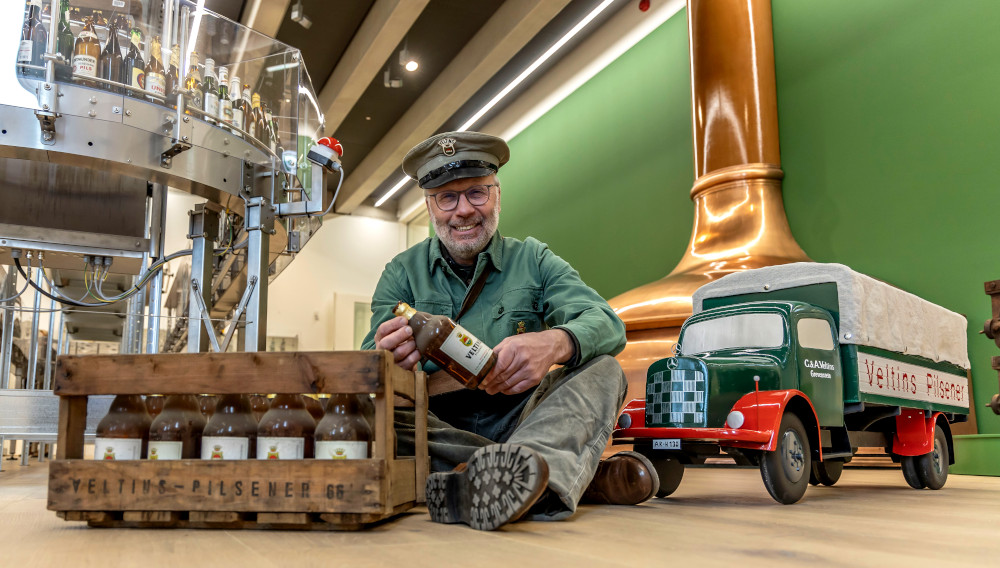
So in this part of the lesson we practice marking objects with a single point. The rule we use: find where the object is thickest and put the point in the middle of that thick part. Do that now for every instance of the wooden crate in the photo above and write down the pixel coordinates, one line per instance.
(298, 494)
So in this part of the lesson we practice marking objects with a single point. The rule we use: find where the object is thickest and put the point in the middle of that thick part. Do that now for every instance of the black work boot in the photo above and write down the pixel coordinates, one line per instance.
(497, 486)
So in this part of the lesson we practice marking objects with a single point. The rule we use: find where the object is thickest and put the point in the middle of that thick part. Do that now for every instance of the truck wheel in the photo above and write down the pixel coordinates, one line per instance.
(826, 472)
(785, 471)
(932, 468)
(670, 472)
(909, 467)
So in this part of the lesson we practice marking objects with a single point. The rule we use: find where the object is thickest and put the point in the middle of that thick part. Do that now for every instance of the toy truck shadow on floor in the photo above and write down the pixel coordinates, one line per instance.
(794, 367)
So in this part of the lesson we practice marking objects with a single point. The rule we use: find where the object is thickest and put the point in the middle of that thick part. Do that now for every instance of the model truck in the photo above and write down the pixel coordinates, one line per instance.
(794, 367)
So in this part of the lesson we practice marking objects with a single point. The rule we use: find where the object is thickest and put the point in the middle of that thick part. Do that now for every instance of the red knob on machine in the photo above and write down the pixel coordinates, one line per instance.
(333, 144)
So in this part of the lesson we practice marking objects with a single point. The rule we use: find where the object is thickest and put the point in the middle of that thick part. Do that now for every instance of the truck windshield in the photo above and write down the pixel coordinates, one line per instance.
(734, 332)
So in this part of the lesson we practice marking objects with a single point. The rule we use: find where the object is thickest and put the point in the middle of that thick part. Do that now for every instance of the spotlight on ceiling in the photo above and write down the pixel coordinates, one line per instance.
(406, 61)
(298, 15)
(411, 65)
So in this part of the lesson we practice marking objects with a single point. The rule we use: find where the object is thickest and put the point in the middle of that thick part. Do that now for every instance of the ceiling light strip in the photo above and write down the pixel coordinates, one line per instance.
(513, 84)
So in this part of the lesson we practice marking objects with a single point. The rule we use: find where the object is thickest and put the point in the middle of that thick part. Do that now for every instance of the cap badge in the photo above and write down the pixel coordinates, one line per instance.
(447, 146)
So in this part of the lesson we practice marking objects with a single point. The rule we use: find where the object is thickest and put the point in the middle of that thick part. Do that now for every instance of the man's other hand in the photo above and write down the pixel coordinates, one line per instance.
(396, 336)
(522, 360)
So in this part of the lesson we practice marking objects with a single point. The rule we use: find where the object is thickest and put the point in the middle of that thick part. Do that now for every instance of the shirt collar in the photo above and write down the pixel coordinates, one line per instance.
(493, 252)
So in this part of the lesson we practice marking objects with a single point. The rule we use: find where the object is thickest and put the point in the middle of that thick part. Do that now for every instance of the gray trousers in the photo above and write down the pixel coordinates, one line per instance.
(567, 421)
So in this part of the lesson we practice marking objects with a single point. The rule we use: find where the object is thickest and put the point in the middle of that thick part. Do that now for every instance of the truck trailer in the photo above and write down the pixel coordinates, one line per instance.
(792, 368)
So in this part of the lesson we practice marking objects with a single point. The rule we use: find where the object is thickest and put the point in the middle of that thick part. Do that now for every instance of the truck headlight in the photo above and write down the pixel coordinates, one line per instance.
(735, 419)
(624, 421)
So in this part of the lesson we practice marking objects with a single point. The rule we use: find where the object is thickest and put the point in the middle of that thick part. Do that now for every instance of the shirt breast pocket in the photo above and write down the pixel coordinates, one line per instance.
(434, 307)
(519, 311)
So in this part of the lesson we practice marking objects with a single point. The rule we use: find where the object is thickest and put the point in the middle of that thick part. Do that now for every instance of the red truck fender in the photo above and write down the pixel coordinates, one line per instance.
(914, 434)
(763, 410)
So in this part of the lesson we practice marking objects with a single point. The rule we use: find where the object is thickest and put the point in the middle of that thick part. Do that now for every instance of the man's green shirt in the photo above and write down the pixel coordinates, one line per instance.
(529, 289)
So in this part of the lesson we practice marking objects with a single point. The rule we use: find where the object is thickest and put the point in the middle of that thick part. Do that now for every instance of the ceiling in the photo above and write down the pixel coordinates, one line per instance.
(467, 51)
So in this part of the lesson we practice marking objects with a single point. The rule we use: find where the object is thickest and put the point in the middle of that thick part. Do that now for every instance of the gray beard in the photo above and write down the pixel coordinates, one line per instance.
(468, 249)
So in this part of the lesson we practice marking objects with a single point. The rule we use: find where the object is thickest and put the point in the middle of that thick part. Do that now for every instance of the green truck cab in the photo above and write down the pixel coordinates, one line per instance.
(792, 368)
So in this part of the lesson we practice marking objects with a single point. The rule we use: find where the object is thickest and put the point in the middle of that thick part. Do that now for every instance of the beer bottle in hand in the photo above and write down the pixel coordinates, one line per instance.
(451, 346)
(231, 433)
(123, 433)
(176, 433)
(286, 430)
(343, 433)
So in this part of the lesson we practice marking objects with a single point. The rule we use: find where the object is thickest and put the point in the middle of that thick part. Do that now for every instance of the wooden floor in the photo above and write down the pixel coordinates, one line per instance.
(718, 517)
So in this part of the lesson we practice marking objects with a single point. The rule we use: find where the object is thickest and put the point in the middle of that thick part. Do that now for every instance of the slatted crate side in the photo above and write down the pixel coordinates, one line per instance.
(328, 372)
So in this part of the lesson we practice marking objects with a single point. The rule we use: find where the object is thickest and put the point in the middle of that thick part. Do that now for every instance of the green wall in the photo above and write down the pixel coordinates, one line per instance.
(888, 116)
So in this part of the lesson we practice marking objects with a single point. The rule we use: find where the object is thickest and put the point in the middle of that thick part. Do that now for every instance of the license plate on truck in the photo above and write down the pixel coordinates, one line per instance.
(667, 444)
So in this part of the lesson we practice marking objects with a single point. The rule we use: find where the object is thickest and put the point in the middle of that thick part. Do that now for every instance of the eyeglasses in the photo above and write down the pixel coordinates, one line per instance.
(477, 195)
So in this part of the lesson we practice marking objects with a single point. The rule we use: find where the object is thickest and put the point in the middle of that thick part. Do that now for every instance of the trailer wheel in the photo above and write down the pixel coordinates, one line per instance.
(785, 471)
(826, 472)
(909, 467)
(932, 467)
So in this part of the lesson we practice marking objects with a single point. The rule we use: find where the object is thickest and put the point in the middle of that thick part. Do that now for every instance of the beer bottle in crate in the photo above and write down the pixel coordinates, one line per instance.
(123, 433)
(231, 433)
(176, 433)
(154, 404)
(343, 433)
(259, 405)
(286, 430)
(206, 404)
(314, 406)
(450, 345)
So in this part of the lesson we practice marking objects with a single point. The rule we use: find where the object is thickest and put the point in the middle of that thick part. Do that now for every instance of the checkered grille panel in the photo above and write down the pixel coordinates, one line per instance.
(676, 398)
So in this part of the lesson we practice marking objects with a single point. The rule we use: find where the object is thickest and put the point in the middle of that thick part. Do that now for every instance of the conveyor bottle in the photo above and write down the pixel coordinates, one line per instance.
(64, 44)
(173, 72)
(246, 105)
(192, 85)
(450, 345)
(33, 39)
(286, 430)
(111, 66)
(210, 87)
(343, 433)
(176, 433)
(225, 103)
(257, 116)
(134, 65)
(231, 433)
(156, 78)
(123, 433)
(86, 51)
(236, 98)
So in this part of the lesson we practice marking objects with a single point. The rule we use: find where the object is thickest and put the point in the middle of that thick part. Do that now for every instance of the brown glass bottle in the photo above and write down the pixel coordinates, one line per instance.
(154, 404)
(156, 80)
(367, 404)
(314, 406)
(33, 39)
(112, 66)
(173, 73)
(259, 405)
(246, 105)
(135, 67)
(192, 85)
(451, 346)
(206, 403)
(343, 433)
(231, 434)
(86, 51)
(286, 430)
(176, 433)
(123, 433)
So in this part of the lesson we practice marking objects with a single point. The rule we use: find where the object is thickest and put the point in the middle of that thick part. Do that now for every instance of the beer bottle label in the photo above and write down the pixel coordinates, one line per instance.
(24, 52)
(138, 78)
(237, 117)
(118, 449)
(212, 104)
(166, 450)
(156, 84)
(466, 350)
(269, 448)
(341, 450)
(85, 65)
(226, 111)
(224, 448)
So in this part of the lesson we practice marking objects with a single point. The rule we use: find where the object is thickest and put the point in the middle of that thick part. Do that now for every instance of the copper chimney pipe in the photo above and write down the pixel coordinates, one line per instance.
(739, 220)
